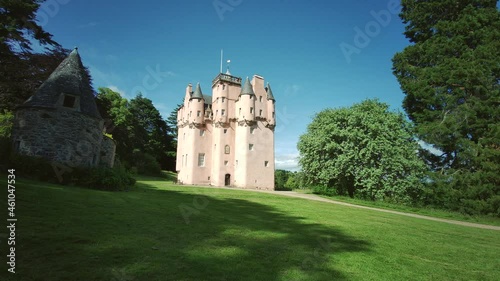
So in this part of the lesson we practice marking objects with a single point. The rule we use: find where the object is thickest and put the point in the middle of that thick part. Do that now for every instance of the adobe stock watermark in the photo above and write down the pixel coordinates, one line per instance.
(49, 9)
(325, 245)
(152, 79)
(199, 204)
(223, 6)
(363, 37)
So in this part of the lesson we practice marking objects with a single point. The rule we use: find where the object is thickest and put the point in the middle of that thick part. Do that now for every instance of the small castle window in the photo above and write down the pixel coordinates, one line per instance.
(260, 112)
(251, 110)
(202, 133)
(226, 163)
(227, 149)
(266, 163)
(198, 113)
(260, 98)
(225, 131)
(223, 99)
(252, 130)
(223, 86)
(201, 160)
(240, 110)
(69, 101)
(273, 114)
(250, 146)
(223, 112)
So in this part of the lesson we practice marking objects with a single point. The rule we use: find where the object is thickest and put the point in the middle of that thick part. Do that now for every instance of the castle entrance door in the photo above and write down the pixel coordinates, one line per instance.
(227, 181)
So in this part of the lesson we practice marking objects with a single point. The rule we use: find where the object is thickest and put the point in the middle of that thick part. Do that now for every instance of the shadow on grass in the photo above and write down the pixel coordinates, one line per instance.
(152, 234)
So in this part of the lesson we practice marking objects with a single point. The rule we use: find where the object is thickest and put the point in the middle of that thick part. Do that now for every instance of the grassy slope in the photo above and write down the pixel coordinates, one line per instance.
(67, 233)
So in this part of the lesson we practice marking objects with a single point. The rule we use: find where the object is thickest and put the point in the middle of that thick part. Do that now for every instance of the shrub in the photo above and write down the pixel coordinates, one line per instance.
(104, 178)
(101, 178)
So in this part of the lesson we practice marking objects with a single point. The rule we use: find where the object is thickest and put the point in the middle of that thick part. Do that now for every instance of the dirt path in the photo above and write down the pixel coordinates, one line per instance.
(321, 199)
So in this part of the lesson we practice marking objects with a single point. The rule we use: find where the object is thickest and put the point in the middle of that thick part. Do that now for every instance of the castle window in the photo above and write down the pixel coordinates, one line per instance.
(69, 101)
(202, 133)
(223, 87)
(217, 112)
(260, 98)
(190, 113)
(223, 111)
(225, 131)
(198, 113)
(240, 110)
(201, 160)
(223, 99)
(273, 114)
(266, 163)
(250, 146)
(227, 149)
(226, 163)
(252, 130)
(260, 112)
(236, 162)
(251, 110)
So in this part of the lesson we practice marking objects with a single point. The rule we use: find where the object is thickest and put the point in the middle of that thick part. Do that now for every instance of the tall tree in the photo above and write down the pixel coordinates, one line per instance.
(151, 132)
(450, 76)
(21, 70)
(365, 151)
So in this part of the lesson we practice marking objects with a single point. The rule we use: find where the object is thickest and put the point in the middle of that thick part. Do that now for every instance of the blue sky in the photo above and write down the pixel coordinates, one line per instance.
(316, 54)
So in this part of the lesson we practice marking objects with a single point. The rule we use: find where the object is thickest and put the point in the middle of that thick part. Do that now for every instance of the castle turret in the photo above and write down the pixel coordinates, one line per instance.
(197, 107)
(271, 115)
(246, 103)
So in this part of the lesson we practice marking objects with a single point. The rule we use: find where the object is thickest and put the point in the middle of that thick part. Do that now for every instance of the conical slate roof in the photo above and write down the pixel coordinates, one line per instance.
(197, 92)
(70, 78)
(247, 88)
(269, 92)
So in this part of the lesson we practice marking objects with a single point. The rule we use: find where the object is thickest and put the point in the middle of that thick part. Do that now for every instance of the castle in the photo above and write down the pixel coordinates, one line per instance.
(227, 139)
(61, 123)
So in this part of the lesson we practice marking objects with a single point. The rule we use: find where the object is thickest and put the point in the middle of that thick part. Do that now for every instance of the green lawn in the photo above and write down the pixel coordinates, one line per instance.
(160, 231)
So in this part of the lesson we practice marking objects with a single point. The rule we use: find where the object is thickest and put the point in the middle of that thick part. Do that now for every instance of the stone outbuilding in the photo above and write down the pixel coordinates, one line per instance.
(61, 123)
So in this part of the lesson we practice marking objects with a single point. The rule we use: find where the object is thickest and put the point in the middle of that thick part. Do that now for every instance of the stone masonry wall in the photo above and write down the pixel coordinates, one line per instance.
(108, 148)
(64, 136)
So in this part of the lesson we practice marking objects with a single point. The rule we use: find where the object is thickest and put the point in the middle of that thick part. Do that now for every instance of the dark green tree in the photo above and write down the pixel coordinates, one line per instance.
(365, 151)
(21, 70)
(150, 132)
(450, 76)
(280, 178)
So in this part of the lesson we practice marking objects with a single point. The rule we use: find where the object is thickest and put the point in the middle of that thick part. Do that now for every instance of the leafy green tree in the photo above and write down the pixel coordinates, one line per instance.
(365, 151)
(280, 178)
(151, 132)
(450, 76)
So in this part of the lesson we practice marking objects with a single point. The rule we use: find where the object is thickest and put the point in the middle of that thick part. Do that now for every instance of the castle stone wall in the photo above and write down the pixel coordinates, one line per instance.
(65, 136)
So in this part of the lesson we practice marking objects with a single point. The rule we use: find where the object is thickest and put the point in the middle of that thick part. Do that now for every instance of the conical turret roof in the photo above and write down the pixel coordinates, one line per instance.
(269, 92)
(247, 88)
(70, 78)
(197, 94)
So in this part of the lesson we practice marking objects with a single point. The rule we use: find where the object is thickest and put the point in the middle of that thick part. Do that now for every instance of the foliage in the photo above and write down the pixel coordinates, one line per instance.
(280, 178)
(450, 78)
(145, 163)
(103, 178)
(364, 150)
(137, 125)
(22, 70)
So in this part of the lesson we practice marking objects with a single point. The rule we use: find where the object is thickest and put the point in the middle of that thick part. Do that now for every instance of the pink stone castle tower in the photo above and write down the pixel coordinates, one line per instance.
(227, 139)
